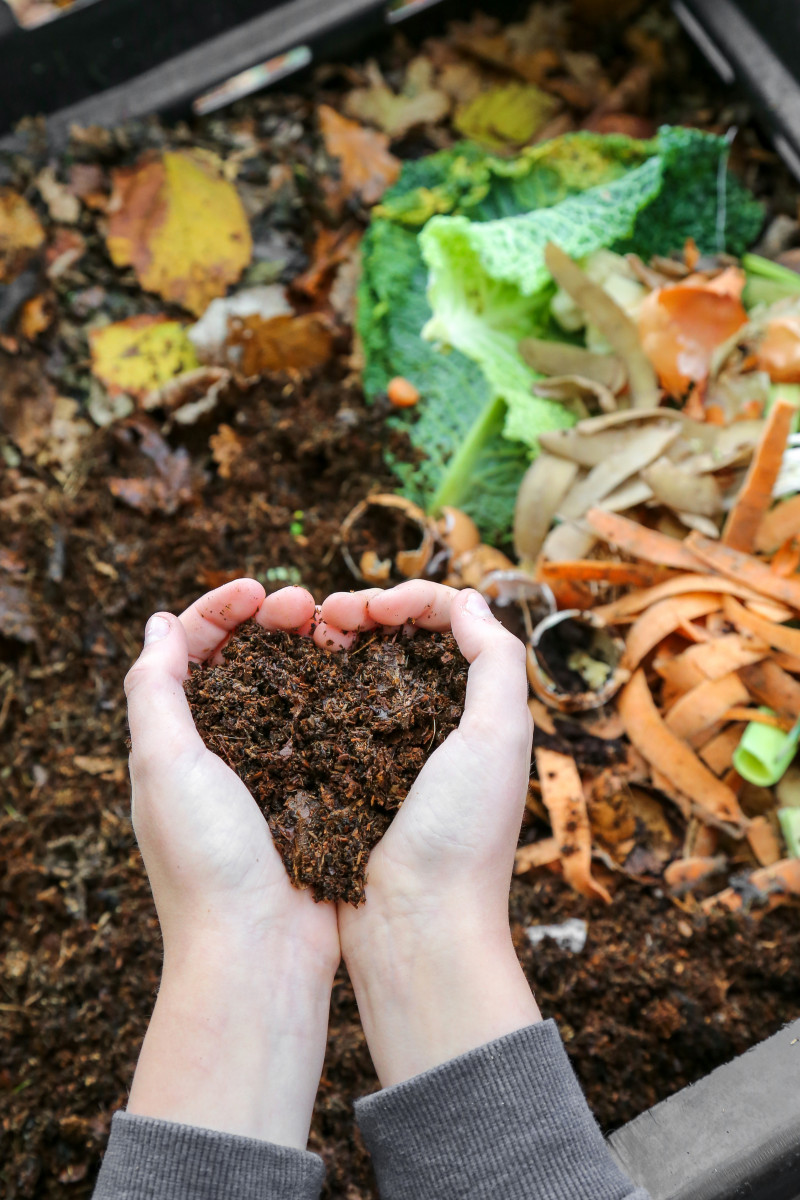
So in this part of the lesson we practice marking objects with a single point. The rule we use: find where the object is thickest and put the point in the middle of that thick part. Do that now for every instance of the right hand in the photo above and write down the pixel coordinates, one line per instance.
(430, 952)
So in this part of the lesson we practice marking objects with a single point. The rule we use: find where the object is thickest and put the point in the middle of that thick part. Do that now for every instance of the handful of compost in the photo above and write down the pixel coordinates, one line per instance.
(329, 744)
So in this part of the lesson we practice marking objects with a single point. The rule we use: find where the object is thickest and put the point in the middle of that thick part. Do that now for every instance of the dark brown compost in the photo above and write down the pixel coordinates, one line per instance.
(329, 743)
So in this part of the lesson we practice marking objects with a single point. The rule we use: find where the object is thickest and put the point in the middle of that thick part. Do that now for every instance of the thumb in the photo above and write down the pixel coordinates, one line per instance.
(159, 716)
(496, 706)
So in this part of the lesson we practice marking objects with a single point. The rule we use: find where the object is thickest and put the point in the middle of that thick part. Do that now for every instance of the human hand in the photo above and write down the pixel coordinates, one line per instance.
(430, 952)
(238, 1035)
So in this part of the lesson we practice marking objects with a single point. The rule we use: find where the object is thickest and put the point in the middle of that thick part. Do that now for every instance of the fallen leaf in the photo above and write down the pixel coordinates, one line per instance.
(168, 485)
(65, 249)
(210, 333)
(16, 613)
(36, 315)
(136, 356)
(366, 166)
(418, 103)
(97, 764)
(26, 402)
(20, 233)
(63, 205)
(506, 117)
(191, 395)
(226, 447)
(331, 247)
(65, 443)
(279, 344)
(181, 225)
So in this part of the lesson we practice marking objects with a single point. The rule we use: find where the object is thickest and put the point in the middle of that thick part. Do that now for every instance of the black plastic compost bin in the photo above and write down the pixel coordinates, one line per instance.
(736, 1133)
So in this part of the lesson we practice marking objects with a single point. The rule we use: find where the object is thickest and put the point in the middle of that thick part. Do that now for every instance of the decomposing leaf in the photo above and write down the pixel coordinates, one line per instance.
(418, 103)
(300, 343)
(506, 117)
(36, 315)
(137, 355)
(64, 249)
(210, 334)
(61, 202)
(26, 402)
(67, 436)
(332, 247)
(180, 224)
(167, 486)
(20, 233)
(190, 396)
(17, 620)
(366, 166)
(226, 448)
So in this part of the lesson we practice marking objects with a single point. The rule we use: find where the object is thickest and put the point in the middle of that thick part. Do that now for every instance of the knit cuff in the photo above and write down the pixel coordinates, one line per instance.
(507, 1119)
(149, 1159)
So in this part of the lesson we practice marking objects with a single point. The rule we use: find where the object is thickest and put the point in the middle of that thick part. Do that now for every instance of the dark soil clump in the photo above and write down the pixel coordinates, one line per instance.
(329, 743)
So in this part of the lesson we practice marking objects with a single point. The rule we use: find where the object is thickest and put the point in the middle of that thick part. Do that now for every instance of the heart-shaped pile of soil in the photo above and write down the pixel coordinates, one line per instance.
(329, 743)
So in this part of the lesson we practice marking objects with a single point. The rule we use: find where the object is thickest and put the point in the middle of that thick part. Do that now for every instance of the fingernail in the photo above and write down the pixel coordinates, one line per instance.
(477, 606)
(157, 627)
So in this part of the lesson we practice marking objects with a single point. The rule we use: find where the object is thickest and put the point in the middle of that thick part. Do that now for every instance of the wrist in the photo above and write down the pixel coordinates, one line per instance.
(427, 995)
(237, 1039)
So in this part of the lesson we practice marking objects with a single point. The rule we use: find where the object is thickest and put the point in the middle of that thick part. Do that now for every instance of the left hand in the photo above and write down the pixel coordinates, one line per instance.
(238, 1035)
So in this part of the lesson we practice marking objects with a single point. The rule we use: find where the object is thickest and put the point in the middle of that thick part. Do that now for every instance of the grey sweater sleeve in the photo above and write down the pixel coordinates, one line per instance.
(148, 1159)
(506, 1120)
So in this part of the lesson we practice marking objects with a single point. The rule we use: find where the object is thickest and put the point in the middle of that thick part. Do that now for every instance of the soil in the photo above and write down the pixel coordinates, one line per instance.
(659, 996)
(329, 744)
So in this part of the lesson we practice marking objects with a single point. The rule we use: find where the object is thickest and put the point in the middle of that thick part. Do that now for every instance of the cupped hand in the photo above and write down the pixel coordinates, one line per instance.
(209, 855)
(430, 951)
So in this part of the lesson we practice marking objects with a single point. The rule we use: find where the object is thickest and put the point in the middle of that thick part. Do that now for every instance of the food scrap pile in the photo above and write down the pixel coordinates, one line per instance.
(248, 344)
(329, 743)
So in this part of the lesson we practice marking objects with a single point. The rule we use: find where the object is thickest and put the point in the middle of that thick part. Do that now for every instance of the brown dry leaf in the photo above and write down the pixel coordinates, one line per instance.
(419, 102)
(366, 166)
(20, 233)
(37, 315)
(98, 764)
(181, 225)
(16, 612)
(226, 447)
(68, 432)
(168, 485)
(256, 346)
(26, 402)
(331, 248)
(63, 205)
(65, 249)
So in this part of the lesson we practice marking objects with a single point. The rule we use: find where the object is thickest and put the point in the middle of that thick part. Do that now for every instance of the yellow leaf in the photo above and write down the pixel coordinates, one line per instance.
(506, 117)
(20, 233)
(181, 225)
(140, 354)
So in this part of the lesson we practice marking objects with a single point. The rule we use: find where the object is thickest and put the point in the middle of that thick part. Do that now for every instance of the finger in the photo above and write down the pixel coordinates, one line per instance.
(291, 609)
(496, 705)
(210, 621)
(419, 601)
(159, 716)
(347, 611)
(330, 637)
